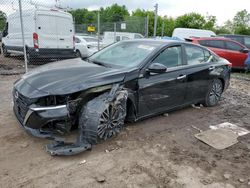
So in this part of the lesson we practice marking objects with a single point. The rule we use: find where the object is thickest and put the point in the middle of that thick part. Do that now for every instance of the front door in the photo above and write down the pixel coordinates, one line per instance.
(162, 91)
(236, 57)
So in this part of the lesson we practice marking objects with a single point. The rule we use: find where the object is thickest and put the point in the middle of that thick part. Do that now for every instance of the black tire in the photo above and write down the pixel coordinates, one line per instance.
(101, 119)
(214, 93)
(78, 54)
(5, 52)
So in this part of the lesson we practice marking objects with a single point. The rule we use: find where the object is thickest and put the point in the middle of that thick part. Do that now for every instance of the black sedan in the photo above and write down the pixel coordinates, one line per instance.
(127, 81)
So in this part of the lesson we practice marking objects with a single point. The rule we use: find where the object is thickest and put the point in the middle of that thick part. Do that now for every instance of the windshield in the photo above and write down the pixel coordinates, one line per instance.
(125, 54)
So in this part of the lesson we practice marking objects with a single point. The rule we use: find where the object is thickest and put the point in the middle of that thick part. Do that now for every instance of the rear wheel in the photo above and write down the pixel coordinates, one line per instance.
(5, 52)
(101, 119)
(78, 53)
(214, 93)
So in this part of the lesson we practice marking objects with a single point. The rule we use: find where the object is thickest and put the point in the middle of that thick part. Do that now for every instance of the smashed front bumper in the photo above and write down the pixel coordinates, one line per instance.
(36, 117)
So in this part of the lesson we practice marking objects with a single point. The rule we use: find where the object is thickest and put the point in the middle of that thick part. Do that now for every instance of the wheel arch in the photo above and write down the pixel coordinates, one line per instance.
(223, 82)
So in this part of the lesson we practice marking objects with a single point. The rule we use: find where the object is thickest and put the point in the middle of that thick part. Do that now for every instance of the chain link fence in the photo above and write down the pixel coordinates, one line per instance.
(50, 34)
(132, 25)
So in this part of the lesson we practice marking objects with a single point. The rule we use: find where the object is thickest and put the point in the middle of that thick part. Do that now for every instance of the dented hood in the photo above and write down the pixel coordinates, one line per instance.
(65, 77)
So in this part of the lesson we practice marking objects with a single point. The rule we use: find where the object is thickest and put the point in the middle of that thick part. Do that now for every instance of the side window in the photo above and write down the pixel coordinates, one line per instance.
(233, 46)
(125, 38)
(213, 43)
(118, 38)
(247, 42)
(196, 55)
(170, 57)
(77, 40)
(137, 36)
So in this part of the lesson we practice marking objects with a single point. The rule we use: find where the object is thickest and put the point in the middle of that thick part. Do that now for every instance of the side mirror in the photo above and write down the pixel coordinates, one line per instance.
(244, 50)
(157, 68)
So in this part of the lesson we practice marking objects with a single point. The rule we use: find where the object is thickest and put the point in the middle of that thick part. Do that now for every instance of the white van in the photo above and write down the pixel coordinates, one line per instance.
(183, 33)
(48, 34)
(111, 37)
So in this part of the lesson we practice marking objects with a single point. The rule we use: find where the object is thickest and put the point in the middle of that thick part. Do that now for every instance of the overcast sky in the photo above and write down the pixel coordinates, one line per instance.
(222, 9)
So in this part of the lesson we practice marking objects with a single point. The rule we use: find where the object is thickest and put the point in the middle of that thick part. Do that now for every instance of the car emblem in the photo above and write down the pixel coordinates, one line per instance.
(16, 95)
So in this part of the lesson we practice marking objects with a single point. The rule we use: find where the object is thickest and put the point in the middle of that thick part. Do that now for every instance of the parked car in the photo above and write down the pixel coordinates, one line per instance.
(243, 39)
(48, 34)
(127, 81)
(112, 37)
(86, 45)
(183, 33)
(233, 51)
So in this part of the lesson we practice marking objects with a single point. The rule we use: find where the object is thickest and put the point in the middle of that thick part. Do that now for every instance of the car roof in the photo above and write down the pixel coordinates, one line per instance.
(209, 38)
(235, 35)
(216, 38)
(157, 41)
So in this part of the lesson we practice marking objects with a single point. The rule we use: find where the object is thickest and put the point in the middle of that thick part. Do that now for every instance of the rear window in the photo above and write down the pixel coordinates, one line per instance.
(212, 43)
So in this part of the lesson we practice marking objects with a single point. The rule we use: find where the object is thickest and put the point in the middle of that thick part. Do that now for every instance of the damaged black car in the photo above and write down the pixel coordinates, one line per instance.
(127, 81)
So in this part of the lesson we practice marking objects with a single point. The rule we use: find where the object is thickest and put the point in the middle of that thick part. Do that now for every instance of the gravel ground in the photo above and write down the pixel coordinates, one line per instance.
(158, 152)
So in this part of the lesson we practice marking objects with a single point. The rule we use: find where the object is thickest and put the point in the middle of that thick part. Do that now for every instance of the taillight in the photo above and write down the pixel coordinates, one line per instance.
(35, 40)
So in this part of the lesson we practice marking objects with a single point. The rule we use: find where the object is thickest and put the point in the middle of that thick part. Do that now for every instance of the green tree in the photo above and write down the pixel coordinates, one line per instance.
(241, 22)
(144, 13)
(2, 20)
(115, 13)
(79, 15)
(210, 22)
(190, 20)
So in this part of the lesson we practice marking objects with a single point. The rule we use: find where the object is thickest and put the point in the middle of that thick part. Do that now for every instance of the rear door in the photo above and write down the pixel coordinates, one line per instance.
(64, 24)
(46, 27)
(199, 64)
(234, 54)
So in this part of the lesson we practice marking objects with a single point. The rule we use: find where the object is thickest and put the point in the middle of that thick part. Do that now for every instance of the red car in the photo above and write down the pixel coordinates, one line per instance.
(233, 51)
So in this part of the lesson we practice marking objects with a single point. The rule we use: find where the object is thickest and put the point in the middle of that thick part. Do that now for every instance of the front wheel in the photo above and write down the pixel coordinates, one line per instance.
(214, 93)
(101, 119)
(78, 54)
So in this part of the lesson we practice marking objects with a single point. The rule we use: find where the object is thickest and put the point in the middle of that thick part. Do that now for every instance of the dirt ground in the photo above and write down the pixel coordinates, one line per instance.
(160, 152)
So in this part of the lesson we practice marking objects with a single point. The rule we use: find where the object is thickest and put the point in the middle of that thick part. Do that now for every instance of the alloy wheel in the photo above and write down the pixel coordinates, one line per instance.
(110, 122)
(215, 93)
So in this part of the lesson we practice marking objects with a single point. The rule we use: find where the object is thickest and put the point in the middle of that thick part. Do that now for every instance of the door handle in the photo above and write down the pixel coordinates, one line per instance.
(61, 39)
(211, 68)
(181, 77)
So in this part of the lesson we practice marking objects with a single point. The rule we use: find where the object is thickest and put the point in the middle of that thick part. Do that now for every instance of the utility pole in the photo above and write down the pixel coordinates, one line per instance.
(98, 25)
(146, 26)
(155, 22)
(163, 26)
(23, 41)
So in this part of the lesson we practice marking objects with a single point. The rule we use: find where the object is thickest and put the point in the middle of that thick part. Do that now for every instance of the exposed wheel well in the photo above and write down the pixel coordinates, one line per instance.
(223, 83)
(131, 113)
